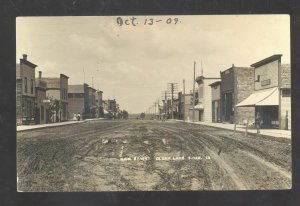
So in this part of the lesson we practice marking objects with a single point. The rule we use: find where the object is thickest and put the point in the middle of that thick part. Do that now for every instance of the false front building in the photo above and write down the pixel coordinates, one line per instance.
(272, 93)
(57, 93)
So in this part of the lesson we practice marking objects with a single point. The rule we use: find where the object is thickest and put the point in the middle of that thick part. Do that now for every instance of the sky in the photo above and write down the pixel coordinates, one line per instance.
(134, 64)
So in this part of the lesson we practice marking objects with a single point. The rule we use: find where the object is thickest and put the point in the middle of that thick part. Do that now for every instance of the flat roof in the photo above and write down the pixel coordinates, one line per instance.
(77, 88)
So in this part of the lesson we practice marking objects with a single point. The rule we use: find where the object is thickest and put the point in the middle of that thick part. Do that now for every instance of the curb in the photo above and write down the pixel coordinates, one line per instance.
(251, 133)
(60, 125)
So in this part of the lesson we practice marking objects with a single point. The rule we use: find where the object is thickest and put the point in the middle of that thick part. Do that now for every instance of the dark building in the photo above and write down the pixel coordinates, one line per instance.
(25, 92)
(237, 85)
(78, 98)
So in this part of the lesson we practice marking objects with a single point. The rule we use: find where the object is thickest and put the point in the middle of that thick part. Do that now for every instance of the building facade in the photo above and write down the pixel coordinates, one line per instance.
(42, 113)
(78, 100)
(204, 105)
(57, 93)
(99, 104)
(237, 85)
(216, 101)
(272, 93)
(25, 92)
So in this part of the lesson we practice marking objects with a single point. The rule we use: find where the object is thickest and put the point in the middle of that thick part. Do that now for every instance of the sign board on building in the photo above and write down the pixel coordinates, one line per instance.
(266, 82)
(46, 100)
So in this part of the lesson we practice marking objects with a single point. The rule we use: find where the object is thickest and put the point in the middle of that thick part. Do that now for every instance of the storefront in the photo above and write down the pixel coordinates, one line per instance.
(266, 103)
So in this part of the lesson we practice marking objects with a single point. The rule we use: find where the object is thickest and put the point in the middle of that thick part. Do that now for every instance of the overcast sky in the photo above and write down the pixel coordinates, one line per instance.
(133, 64)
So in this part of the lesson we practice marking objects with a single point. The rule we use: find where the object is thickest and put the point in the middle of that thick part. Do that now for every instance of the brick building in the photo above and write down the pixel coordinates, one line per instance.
(25, 91)
(272, 92)
(216, 101)
(237, 85)
(57, 93)
(204, 105)
(42, 114)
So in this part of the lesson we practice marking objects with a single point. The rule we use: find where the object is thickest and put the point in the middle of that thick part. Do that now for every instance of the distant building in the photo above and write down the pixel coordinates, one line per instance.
(78, 98)
(42, 113)
(92, 108)
(25, 91)
(216, 101)
(99, 104)
(204, 105)
(57, 92)
(110, 108)
(185, 108)
(272, 93)
(237, 85)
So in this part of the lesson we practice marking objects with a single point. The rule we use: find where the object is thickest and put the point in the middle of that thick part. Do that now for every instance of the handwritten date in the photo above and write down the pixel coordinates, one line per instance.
(133, 21)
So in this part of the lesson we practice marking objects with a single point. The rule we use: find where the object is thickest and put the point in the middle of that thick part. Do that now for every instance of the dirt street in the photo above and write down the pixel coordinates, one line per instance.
(134, 155)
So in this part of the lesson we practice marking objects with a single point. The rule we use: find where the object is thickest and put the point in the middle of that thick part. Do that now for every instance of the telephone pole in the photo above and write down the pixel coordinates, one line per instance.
(172, 87)
(183, 112)
(194, 92)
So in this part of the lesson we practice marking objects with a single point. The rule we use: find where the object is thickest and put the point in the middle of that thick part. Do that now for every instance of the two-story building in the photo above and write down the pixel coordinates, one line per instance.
(99, 104)
(237, 85)
(216, 101)
(57, 93)
(78, 100)
(25, 92)
(204, 105)
(41, 101)
(272, 93)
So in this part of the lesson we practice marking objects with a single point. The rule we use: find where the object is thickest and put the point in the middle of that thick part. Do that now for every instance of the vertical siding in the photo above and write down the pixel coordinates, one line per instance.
(285, 107)
(267, 71)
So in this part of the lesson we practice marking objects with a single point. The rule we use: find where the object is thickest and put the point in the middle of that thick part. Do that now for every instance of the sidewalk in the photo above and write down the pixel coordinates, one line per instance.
(242, 128)
(57, 124)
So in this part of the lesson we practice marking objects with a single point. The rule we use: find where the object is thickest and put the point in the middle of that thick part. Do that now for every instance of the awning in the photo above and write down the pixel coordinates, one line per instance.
(105, 111)
(267, 97)
(199, 106)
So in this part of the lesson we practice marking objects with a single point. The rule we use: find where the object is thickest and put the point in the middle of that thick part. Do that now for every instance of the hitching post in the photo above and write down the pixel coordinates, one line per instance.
(246, 131)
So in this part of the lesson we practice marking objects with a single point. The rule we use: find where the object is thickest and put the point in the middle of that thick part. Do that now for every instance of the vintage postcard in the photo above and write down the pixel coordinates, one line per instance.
(153, 103)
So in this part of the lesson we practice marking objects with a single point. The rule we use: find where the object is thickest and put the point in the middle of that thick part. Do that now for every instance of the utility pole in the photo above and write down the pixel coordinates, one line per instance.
(172, 87)
(183, 112)
(172, 90)
(166, 103)
(194, 92)
(155, 110)
(158, 110)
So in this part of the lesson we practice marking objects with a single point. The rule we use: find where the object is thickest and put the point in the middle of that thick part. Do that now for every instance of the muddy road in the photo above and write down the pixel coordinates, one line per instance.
(132, 155)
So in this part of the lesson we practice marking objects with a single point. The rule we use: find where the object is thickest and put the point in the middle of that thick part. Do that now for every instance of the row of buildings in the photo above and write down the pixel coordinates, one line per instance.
(51, 99)
(239, 95)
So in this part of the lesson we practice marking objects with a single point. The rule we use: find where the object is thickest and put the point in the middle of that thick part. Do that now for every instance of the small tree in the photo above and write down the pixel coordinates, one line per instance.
(142, 115)
(125, 114)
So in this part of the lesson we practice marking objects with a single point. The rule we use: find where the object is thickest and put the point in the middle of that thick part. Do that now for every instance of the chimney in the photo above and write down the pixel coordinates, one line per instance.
(232, 65)
(40, 74)
(25, 56)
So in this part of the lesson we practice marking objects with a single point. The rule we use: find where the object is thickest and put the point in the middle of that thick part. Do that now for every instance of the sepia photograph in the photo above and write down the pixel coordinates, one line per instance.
(153, 103)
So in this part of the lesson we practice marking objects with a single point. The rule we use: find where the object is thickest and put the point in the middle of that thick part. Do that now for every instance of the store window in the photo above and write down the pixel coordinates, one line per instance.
(25, 83)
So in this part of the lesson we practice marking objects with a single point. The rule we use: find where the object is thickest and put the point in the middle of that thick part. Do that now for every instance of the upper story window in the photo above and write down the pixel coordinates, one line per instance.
(31, 86)
(25, 84)
(257, 78)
